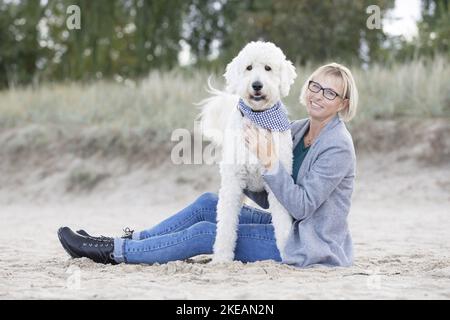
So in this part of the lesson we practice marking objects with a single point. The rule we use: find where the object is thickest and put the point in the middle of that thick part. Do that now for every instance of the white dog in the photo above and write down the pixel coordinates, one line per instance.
(259, 76)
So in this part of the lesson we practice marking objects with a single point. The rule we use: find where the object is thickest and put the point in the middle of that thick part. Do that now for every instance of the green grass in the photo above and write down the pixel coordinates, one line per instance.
(165, 101)
(84, 179)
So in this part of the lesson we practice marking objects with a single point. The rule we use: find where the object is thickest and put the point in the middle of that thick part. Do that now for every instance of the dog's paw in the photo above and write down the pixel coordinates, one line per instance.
(221, 258)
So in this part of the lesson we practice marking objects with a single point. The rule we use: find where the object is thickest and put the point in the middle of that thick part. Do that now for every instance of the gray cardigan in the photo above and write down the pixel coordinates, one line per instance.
(319, 200)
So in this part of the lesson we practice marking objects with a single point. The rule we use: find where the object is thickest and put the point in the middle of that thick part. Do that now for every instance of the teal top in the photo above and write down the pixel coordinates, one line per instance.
(300, 152)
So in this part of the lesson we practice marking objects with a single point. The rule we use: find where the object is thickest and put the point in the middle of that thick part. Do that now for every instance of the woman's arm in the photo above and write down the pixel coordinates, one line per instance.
(302, 200)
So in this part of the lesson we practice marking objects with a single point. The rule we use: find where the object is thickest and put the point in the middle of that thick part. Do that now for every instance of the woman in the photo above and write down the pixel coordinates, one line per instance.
(317, 195)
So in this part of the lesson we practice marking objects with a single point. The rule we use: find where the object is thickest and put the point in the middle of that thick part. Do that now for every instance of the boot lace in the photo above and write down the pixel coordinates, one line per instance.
(127, 232)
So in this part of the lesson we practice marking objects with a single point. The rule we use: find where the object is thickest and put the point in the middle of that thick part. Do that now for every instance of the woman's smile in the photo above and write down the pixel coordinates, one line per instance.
(316, 106)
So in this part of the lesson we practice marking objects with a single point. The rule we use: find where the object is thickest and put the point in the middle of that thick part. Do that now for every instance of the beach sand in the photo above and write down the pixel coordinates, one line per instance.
(399, 221)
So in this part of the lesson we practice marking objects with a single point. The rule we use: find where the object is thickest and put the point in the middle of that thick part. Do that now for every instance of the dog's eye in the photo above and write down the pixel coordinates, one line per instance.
(249, 68)
(267, 68)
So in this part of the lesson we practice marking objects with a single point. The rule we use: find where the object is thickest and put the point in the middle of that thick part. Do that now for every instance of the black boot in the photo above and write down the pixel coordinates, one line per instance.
(128, 234)
(77, 246)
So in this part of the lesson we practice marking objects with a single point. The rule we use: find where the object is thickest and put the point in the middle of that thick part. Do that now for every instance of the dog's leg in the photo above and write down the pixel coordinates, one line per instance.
(281, 220)
(228, 210)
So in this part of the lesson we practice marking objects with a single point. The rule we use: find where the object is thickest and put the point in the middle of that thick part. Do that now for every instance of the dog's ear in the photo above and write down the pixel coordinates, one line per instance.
(287, 77)
(232, 75)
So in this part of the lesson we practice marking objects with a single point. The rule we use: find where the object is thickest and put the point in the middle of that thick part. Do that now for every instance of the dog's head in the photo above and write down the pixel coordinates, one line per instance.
(260, 74)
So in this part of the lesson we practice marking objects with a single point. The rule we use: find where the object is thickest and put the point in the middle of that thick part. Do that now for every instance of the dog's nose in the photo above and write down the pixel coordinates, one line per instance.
(257, 86)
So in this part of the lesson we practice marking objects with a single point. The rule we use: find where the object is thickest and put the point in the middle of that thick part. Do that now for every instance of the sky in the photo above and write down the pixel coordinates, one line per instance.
(402, 19)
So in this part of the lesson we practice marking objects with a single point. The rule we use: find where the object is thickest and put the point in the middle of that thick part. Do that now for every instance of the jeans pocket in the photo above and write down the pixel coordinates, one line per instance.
(261, 216)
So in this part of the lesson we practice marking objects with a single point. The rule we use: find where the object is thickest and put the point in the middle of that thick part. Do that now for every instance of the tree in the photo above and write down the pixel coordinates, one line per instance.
(434, 28)
(19, 41)
(158, 27)
(306, 30)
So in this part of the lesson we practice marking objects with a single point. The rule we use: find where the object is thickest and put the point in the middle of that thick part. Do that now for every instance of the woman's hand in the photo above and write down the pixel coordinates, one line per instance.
(260, 142)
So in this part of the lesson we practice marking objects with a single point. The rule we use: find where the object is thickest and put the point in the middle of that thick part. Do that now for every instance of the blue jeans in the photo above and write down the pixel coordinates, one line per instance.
(192, 231)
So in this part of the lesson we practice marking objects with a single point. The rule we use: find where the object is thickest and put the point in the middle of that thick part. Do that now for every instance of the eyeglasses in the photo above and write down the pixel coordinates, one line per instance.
(328, 93)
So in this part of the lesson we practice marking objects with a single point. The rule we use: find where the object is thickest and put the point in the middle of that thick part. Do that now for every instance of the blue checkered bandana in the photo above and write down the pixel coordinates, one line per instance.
(273, 119)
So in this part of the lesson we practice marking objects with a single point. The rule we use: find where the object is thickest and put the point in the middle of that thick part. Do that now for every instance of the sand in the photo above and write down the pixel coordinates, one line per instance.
(399, 221)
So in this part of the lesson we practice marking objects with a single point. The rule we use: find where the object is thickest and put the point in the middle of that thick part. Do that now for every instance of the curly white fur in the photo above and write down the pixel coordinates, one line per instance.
(222, 123)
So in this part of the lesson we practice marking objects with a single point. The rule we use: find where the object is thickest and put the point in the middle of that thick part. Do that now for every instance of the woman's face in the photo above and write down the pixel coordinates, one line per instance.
(319, 107)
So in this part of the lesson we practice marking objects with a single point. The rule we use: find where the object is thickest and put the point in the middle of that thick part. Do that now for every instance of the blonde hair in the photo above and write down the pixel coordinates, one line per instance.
(350, 90)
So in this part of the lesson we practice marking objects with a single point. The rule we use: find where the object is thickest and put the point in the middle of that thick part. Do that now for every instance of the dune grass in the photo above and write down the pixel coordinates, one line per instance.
(165, 101)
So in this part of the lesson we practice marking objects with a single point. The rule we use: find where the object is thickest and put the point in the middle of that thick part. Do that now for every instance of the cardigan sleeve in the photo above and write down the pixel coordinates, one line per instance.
(303, 198)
